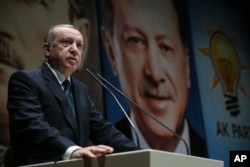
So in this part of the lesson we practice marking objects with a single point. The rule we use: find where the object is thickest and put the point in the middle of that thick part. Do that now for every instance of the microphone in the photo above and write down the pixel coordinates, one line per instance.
(119, 104)
(147, 113)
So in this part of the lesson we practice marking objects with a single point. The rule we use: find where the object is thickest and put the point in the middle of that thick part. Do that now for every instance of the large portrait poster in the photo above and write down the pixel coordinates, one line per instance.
(221, 50)
(145, 55)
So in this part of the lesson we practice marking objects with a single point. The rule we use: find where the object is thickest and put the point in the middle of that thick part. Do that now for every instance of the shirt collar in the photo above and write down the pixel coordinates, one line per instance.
(181, 148)
(59, 76)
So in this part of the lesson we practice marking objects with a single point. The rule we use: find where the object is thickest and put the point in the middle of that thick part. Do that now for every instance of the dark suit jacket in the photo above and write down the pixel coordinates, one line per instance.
(41, 124)
(197, 144)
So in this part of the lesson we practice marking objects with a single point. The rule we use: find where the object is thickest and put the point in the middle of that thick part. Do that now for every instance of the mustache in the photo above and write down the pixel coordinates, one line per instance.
(72, 56)
(161, 90)
(9, 57)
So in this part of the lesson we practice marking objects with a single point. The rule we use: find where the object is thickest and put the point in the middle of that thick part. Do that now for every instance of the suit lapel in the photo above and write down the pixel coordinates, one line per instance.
(55, 88)
(81, 109)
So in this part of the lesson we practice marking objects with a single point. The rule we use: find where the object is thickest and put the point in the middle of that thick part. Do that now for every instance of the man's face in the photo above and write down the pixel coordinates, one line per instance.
(23, 25)
(150, 61)
(66, 50)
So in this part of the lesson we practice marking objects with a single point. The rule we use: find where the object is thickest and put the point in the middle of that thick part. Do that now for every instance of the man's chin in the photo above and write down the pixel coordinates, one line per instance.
(159, 107)
(72, 68)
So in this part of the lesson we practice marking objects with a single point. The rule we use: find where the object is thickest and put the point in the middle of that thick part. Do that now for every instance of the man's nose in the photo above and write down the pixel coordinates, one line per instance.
(73, 47)
(154, 66)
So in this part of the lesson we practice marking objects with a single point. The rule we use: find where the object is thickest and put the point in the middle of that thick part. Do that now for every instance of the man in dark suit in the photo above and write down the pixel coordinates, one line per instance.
(52, 121)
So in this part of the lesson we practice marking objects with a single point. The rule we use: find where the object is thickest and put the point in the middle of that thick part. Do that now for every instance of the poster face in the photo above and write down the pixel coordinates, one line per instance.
(144, 55)
(221, 49)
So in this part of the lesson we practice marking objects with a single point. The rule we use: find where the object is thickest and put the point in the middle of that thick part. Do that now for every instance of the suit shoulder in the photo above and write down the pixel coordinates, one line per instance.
(28, 72)
(28, 76)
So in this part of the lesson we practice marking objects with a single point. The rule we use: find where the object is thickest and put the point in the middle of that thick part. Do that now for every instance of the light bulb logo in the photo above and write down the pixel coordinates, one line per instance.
(227, 66)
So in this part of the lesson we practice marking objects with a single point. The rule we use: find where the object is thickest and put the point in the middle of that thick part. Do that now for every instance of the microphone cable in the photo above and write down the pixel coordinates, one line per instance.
(119, 104)
(146, 112)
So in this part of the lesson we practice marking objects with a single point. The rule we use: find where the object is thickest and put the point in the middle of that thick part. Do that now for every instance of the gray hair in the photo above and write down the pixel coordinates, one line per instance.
(50, 35)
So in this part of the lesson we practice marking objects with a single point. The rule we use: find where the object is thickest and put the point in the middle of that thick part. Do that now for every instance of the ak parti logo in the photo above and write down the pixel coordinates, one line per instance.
(227, 65)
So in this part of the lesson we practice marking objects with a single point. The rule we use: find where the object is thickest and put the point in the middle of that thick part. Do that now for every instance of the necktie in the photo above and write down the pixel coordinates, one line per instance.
(68, 93)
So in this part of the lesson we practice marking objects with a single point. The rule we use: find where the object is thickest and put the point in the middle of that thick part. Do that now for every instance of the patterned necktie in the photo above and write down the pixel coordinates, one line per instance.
(68, 93)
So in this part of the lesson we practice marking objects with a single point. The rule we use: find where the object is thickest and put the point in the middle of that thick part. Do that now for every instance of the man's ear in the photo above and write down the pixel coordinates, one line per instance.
(107, 41)
(46, 49)
(83, 26)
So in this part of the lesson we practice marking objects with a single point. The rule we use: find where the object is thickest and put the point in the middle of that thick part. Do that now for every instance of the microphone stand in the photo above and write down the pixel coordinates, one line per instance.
(146, 112)
(119, 104)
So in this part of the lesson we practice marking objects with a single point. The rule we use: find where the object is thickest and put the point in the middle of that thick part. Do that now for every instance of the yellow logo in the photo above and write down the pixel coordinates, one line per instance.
(227, 65)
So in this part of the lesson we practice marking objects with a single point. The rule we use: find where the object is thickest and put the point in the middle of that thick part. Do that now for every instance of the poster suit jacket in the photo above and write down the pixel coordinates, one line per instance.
(42, 126)
(197, 144)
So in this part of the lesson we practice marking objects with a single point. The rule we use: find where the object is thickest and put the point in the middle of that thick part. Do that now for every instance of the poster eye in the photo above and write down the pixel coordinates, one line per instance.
(41, 2)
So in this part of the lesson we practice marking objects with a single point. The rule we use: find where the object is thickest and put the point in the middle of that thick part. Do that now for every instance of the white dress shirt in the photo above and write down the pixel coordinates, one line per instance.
(181, 148)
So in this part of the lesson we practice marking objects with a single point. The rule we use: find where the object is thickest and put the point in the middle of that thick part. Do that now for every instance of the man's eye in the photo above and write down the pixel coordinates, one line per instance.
(135, 43)
(80, 46)
(35, 2)
(41, 2)
(165, 48)
(135, 40)
(66, 43)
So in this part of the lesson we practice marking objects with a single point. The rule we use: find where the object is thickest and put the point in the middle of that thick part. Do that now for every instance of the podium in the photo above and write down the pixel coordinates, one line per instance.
(140, 158)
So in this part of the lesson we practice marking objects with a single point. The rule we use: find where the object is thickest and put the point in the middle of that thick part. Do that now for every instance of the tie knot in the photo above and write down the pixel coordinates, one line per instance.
(66, 85)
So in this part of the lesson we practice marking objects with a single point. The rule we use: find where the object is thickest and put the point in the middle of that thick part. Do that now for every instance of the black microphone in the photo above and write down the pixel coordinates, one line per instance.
(119, 104)
(146, 112)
